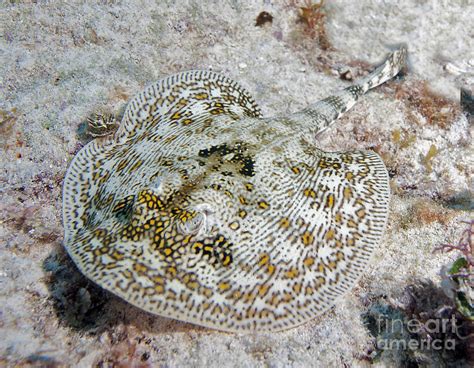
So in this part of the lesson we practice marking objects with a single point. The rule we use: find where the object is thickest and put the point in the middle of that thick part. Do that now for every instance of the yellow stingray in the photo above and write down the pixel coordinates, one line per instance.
(197, 208)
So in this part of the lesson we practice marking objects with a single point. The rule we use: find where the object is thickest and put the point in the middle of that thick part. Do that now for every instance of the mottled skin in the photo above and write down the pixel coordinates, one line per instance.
(200, 209)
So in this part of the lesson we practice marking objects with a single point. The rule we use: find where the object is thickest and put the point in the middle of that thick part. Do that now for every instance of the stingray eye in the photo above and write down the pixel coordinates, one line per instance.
(191, 225)
(199, 220)
(156, 184)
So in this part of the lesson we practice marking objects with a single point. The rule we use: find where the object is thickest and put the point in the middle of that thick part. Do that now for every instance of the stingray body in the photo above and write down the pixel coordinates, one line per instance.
(199, 209)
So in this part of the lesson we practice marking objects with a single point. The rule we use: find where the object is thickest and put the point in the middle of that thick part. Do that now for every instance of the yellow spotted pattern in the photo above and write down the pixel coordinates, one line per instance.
(198, 208)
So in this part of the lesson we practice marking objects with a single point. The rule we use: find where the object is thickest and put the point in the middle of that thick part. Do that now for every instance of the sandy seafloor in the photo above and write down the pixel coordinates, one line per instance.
(62, 62)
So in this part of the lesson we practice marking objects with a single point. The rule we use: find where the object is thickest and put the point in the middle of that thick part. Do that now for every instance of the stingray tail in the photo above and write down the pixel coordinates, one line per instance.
(323, 113)
(389, 69)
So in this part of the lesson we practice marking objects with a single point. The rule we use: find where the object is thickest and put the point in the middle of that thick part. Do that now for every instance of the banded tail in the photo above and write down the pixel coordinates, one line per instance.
(324, 112)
